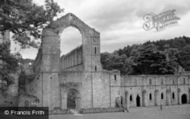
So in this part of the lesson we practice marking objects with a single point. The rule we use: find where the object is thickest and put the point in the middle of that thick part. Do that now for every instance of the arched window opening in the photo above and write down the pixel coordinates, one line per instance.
(70, 39)
(95, 50)
(173, 95)
(115, 77)
(71, 54)
(162, 96)
(150, 96)
(131, 98)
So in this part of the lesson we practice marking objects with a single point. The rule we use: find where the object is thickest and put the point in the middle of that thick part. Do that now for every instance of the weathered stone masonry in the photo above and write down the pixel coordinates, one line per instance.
(155, 90)
(73, 60)
(80, 73)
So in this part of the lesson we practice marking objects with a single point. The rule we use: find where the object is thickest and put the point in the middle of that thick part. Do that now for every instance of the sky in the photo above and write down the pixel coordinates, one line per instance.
(120, 22)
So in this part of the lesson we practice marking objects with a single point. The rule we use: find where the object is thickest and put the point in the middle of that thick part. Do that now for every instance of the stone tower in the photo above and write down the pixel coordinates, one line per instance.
(50, 67)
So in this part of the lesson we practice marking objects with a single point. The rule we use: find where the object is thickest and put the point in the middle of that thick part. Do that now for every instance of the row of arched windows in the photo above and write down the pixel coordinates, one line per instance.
(150, 96)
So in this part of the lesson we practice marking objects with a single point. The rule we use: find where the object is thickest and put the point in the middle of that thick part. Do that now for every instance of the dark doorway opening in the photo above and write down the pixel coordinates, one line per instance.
(71, 100)
(138, 101)
(162, 96)
(173, 95)
(184, 99)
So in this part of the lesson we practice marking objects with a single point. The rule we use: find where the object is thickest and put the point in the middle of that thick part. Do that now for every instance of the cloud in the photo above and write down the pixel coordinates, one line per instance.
(120, 21)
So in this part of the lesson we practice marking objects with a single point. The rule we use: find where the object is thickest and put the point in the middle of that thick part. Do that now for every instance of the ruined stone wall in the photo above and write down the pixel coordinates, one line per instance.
(98, 89)
(73, 60)
(71, 76)
(90, 55)
(33, 85)
(101, 89)
(70, 80)
(155, 89)
(106, 88)
(50, 69)
(37, 62)
(115, 87)
(79, 70)
(34, 88)
(44, 87)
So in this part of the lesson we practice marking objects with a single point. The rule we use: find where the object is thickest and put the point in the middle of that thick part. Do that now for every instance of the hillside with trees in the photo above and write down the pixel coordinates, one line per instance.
(157, 57)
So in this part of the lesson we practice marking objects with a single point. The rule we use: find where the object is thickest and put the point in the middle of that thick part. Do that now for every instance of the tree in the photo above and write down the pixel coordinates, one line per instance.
(25, 19)
(157, 57)
(8, 65)
(172, 56)
(115, 61)
(104, 59)
(185, 57)
(149, 60)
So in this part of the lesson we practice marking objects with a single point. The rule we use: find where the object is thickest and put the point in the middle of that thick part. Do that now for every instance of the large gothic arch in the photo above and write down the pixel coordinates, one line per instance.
(90, 40)
(71, 20)
(50, 56)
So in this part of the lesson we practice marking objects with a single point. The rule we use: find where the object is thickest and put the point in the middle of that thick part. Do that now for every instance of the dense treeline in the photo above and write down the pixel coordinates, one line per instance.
(157, 57)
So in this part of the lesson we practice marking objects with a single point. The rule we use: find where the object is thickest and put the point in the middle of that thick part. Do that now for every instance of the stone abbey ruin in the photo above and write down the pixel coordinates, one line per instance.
(77, 80)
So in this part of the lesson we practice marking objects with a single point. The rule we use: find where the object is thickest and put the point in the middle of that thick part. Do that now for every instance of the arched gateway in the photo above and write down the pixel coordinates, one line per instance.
(90, 41)
(184, 99)
(73, 99)
(138, 101)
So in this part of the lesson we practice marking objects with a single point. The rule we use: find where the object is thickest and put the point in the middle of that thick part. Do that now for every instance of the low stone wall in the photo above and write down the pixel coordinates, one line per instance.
(100, 110)
(60, 112)
(86, 111)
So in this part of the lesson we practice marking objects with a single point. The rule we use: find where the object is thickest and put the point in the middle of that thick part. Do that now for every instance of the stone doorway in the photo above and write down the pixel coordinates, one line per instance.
(73, 99)
(138, 101)
(184, 99)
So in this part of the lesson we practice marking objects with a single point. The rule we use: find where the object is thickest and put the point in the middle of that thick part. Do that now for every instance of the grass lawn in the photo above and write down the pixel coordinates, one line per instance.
(168, 112)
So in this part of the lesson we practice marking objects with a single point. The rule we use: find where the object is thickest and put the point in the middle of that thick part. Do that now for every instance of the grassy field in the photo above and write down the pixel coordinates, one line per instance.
(168, 112)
